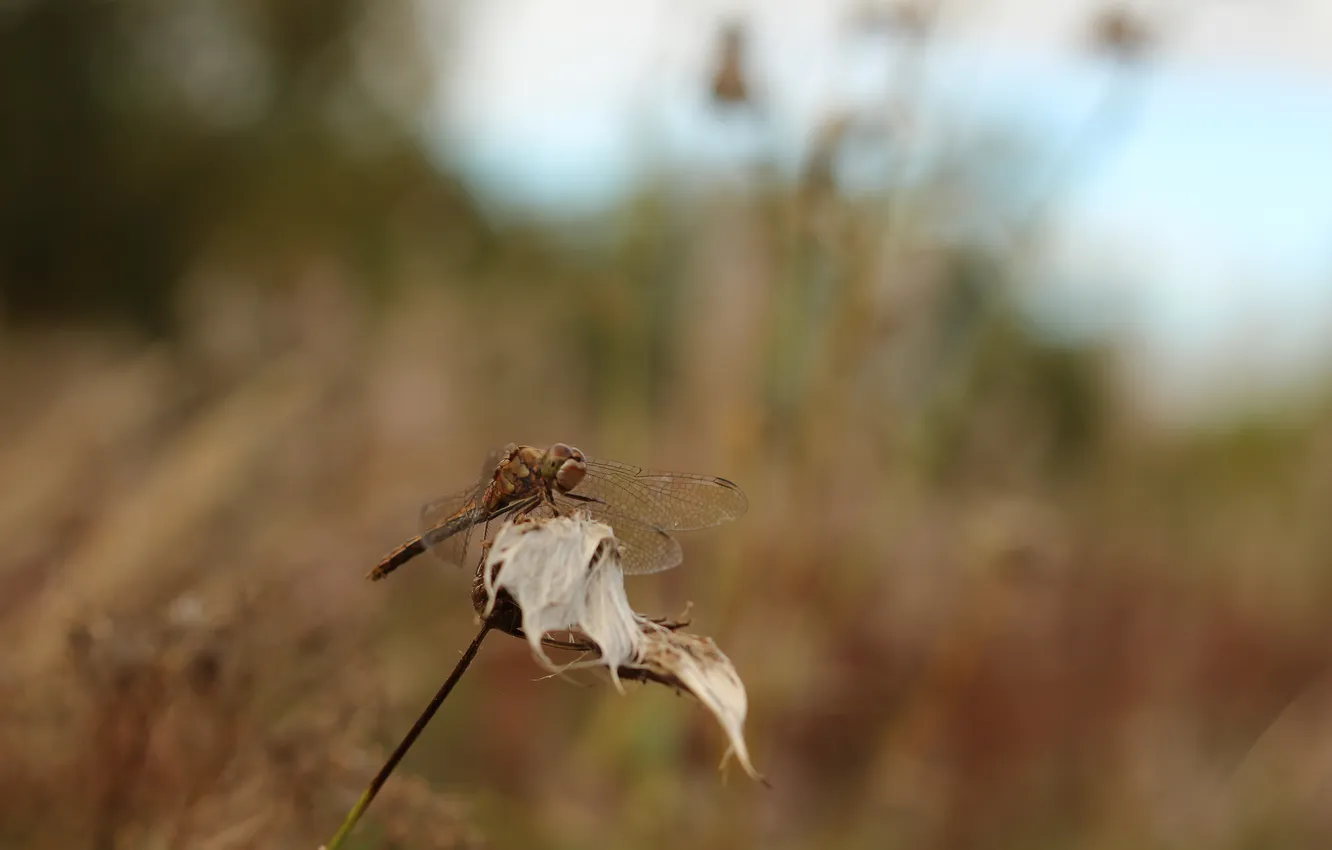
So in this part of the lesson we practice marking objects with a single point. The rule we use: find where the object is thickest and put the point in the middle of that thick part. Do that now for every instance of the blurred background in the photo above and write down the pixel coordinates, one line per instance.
(1011, 318)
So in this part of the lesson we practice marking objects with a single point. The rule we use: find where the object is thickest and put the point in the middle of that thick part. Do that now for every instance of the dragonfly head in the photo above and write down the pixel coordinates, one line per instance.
(564, 465)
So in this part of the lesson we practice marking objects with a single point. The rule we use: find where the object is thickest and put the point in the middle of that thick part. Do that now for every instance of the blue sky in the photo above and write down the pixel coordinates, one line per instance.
(1211, 219)
(1208, 224)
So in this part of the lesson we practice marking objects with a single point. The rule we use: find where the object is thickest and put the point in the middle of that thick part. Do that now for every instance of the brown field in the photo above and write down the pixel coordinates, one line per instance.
(991, 607)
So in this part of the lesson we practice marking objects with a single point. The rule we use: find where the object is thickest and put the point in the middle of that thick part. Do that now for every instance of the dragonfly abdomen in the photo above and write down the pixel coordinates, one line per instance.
(397, 558)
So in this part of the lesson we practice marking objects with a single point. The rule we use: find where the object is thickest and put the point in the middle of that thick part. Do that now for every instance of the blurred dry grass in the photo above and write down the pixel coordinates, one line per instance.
(978, 602)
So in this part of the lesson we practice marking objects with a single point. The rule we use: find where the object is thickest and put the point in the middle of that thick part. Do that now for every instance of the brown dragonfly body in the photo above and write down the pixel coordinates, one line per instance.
(642, 507)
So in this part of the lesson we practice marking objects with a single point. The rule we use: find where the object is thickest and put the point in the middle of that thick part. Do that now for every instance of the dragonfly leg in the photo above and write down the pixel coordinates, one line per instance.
(578, 497)
(526, 506)
(575, 497)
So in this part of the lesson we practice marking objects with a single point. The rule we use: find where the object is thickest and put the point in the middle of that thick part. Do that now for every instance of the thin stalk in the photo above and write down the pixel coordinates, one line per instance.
(380, 778)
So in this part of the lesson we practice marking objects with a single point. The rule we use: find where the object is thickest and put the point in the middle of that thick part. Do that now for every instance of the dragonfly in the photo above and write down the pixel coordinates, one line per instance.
(643, 507)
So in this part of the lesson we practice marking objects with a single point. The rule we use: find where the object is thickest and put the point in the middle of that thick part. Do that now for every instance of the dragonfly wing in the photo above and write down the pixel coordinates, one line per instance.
(670, 501)
(644, 547)
(448, 524)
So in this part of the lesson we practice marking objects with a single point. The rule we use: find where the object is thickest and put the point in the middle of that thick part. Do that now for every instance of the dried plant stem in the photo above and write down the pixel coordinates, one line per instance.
(380, 778)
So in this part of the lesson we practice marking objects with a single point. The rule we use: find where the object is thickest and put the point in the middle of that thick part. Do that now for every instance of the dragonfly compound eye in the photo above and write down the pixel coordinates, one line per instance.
(571, 472)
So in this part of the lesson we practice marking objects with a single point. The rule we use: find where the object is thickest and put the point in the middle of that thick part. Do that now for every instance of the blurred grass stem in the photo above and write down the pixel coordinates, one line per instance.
(406, 744)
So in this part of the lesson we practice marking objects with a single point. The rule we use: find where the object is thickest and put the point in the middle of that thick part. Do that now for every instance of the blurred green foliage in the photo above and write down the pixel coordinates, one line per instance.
(145, 138)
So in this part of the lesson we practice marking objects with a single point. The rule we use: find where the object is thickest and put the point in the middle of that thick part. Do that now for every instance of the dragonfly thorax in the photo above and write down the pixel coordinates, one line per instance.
(528, 470)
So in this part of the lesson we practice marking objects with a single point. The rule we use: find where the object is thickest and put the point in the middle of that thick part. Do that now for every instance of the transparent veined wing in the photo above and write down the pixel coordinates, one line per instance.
(448, 525)
(669, 501)
(645, 548)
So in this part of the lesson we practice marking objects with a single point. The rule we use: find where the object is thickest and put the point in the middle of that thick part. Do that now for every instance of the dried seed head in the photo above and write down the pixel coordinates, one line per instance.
(564, 575)
(1119, 32)
(729, 85)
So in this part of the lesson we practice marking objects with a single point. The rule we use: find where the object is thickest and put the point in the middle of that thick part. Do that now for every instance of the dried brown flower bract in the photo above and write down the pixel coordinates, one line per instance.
(729, 84)
(563, 575)
(1118, 32)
